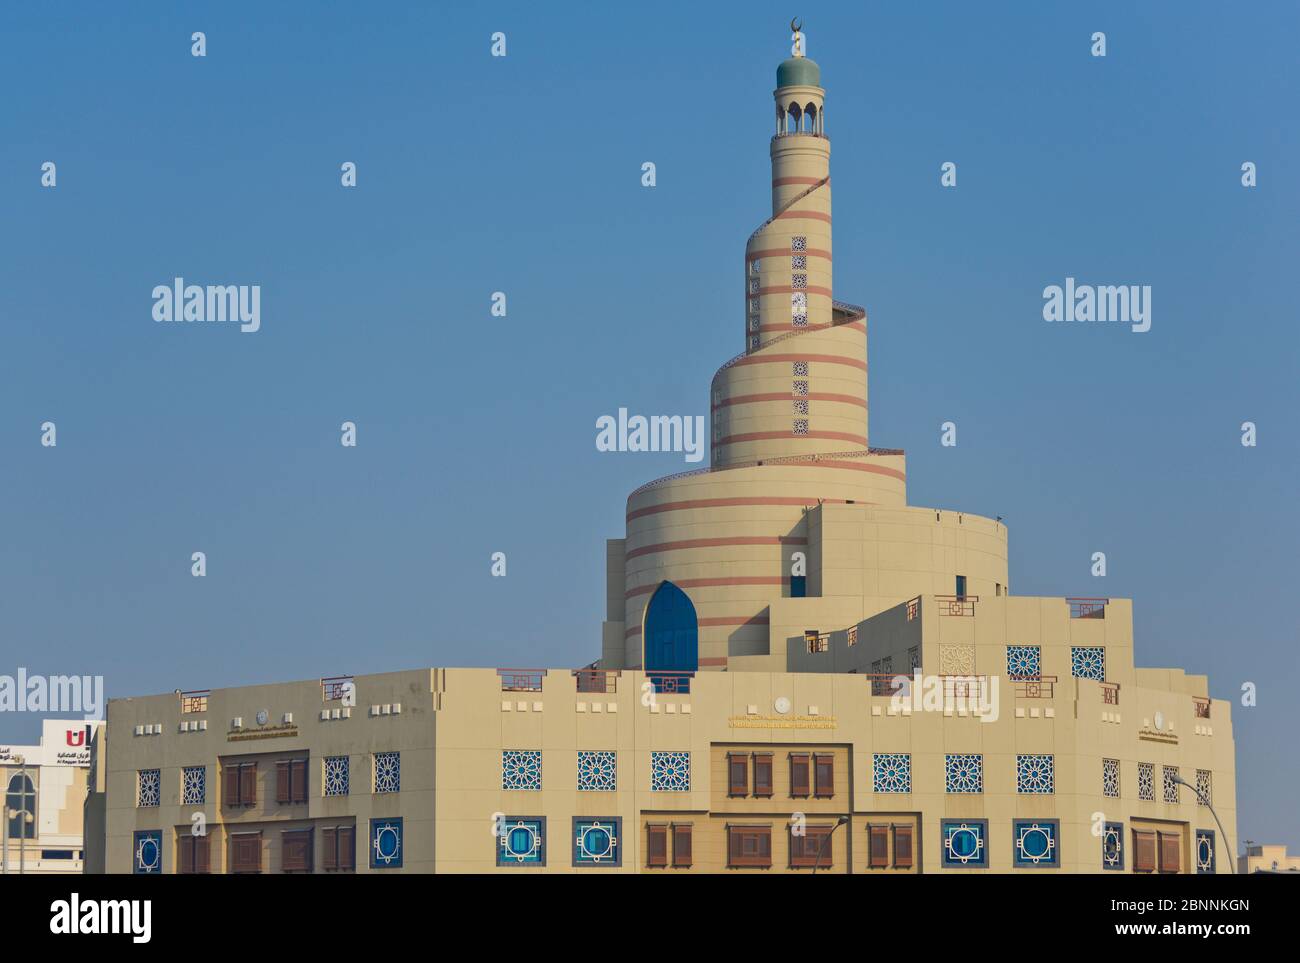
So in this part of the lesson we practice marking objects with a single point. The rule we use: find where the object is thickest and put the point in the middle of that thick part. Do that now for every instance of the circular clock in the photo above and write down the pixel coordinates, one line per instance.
(262, 716)
(782, 705)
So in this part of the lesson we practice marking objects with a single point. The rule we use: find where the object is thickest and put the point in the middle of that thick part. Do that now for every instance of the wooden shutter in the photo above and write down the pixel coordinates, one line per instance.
(246, 852)
(763, 774)
(878, 852)
(230, 785)
(248, 784)
(682, 844)
(298, 781)
(824, 775)
(798, 774)
(737, 774)
(329, 842)
(749, 846)
(202, 863)
(348, 848)
(186, 853)
(902, 847)
(1169, 852)
(282, 781)
(656, 846)
(1144, 852)
(295, 851)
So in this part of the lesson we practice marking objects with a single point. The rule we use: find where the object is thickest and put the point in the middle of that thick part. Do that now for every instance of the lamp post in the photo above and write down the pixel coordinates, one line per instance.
(821, 850)
(1232, 863)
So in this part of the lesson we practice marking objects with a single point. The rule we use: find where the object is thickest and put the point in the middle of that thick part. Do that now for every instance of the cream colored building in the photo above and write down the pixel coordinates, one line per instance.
(44, 787)
(1265, 858)
(798, 671)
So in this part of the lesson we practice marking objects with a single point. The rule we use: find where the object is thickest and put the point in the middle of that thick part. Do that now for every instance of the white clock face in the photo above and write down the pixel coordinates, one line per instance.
(1160, 720)
(783, 705)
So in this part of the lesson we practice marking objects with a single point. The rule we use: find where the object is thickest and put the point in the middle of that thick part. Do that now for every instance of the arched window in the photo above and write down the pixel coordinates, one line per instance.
(672, 640)
(20, 797)
(793, 117)
(810, 118)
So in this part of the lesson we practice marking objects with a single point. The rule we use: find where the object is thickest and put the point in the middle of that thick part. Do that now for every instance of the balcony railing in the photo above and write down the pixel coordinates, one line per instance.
(913, 608)
(1087, 608)
(1034, 686)
(195, 701)
(672, 683)
(882, 683)
(1202, 707)
(1109, 693)
(957, 604)
(336, 687)
(521, 680)
(598, 681)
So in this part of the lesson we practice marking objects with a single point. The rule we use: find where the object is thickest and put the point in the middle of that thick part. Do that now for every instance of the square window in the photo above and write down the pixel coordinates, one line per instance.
(385, 843)
(670, 771)
(1112, 846)
(798, 281)
(337, 775)
(1088, 662)
(522, 841)
(1037, 843)
(1035, 775)
(1146, 781)
(596, 842)
(798, 302)
(597, 770)
(388, 772)
(798, 245)
(801, 406)
(148, 852)
(799, 387)
(148, 786)
(1171, 787)
(755, 266)
(194, 785)
(799, 321)
(1110, 778)
(800, 369)
(801, 426)
(964, 772)
(799, 262)
(965, 843)
(1024, 661)
(892, 772)
(521, 769)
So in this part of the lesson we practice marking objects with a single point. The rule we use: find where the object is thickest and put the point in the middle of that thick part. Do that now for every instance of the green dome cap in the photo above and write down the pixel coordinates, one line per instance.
(798, 72)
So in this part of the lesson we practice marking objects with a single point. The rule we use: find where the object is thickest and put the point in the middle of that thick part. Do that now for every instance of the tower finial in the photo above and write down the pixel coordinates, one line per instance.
(796, 27)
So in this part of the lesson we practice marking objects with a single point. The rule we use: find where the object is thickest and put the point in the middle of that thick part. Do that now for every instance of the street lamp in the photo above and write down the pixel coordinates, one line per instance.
(821, 850)
(1232, 863)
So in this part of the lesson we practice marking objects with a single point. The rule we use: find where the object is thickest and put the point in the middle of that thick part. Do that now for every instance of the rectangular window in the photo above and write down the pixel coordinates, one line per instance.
(192, 853)
(737, 774)
(811, 848)
(291, 781)
(749, 846)
(1169, 851)
(961, 586)
(878, 846)
(799, 774)
(656, 846)
(682, 844)
(246, 853)
(824, 775)
(339, 848)
(763, 774)
(1144, 852)
(1146, 781)
(296, 851)
(239, 784)
(798, 586)
(902, 847)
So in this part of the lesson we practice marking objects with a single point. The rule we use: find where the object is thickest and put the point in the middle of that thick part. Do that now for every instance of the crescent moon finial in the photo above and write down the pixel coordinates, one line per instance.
(796, 27)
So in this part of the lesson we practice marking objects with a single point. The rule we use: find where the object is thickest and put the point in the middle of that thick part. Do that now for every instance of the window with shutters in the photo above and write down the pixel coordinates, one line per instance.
(239, 784)
(763, 774)
(682, 845)
(902, 847)
(1144, 852)
(812, 847)
(1170, 846)
(799, 774)
(737, 774)
(339, 849)
(877, 845)
(246, 852)
(296, 851)
(749, 846)
(824, 776)
(291, 781)
(656, 845)
(192, 853)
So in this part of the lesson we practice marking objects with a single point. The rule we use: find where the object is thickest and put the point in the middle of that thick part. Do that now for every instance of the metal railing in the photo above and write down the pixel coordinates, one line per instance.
(1109, 693)
(963, 605)
(1202, 707)
(672, 683)
(335, 687)
(196, 700)
(1087, 608)
(599, 681)
(1034, 686)
(521, 680)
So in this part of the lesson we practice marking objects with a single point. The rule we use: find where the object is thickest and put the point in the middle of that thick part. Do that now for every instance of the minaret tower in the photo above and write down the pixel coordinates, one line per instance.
(800, 388)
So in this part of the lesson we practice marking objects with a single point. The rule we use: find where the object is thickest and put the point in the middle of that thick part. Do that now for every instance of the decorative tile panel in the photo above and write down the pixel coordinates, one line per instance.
(1112, 846)
(1088, 662)
(521, 841)
(800, 369)
(597, 770)
(148, 784)
(892, 772)
(337, 775)
(1035, 774)
(964, 772)
(1204, 788)
(798, 245)
(956, 658)
(596, 842)
(1146, 781)
(670, 771)
(798, 262)
(386, 843)
(147, 857)
(521, 769)
(1036, 843)
(965, 843)
(194, 785)
(1024, 660)
(1171, 787)
(1204, 851)
(388, 772)
(1110, 778)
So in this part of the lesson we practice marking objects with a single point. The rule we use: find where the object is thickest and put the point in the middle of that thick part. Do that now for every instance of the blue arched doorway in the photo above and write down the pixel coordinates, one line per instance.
(672, 638)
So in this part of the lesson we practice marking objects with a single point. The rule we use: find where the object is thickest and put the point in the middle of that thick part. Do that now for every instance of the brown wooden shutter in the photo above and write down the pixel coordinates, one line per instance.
(230, 785)
(1169, 852)
(282, 781)
(682, 844)
(656, 846)
(798, 774)
(186, 853)
(298, 771)
(348, 848)
(1144, 852)
(824, 775)
(765, 845)
(202, 862)
(902, 847)
(879, 849)
(329, 842)
(296, 846)
(737, 774)
(246, 852)
(248, 784)
(763, 774)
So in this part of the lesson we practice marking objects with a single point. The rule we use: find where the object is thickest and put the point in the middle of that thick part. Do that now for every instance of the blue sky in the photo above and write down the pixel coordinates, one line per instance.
(522, 174)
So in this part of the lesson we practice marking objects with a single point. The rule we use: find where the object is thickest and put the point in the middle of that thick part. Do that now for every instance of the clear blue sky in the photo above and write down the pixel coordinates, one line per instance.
(522, 175)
